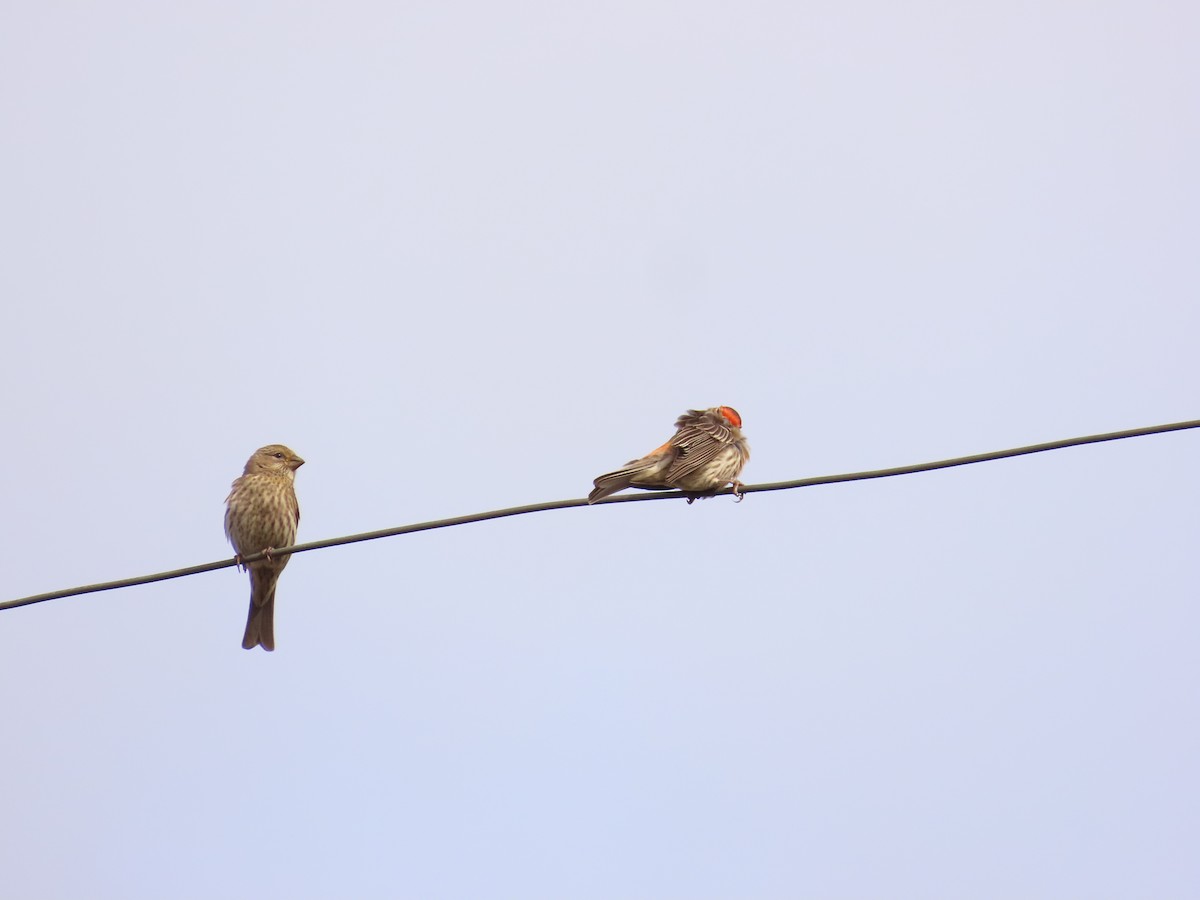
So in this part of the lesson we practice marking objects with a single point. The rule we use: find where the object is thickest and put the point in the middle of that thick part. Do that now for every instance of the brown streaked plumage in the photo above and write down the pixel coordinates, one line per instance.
(261, 513)
(706, 453)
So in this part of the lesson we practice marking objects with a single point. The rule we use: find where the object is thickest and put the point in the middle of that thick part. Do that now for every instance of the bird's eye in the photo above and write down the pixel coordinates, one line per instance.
(277, 455)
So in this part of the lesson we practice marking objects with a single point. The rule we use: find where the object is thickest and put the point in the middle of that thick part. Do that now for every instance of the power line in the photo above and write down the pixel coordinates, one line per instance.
(976, 458)
(624, 498)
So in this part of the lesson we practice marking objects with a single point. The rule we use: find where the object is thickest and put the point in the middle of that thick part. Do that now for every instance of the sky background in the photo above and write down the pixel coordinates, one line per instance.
(465, 255)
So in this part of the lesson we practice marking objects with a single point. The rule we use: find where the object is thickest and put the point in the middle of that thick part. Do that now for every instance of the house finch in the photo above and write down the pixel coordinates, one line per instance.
(707, 452)
(261, 513)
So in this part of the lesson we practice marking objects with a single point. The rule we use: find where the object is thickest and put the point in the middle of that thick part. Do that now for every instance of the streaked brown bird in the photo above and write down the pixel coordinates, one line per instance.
(706, 453)
(261, 513)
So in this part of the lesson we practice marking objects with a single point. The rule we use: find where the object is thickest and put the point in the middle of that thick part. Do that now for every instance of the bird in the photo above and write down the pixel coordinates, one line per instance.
(707, 452)
(262, 514)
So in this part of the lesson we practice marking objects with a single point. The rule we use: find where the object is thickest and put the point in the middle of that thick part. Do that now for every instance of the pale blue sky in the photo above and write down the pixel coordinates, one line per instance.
(462, 256)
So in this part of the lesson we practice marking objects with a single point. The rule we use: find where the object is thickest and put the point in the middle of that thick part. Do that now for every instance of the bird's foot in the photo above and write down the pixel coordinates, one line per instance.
(739, 491)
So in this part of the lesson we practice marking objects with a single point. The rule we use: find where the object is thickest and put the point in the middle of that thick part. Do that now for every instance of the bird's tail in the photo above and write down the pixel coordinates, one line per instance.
(612, 482)
(260, 622)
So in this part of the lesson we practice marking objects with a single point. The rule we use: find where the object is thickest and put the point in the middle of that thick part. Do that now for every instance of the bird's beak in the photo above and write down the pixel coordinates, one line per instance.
(297, 462)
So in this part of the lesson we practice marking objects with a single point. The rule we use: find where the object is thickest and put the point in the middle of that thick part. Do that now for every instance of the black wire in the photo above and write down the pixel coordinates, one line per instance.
(625, 498)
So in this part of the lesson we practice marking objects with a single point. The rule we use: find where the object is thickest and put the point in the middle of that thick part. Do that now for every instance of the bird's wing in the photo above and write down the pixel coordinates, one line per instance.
(700, 438)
